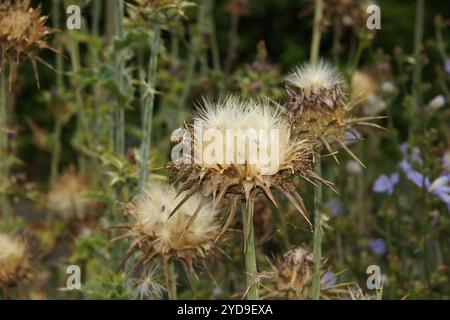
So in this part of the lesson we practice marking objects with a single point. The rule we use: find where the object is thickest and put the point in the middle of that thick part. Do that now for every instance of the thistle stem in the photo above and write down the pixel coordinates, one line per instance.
(193, 56)
(147, 112)
(315, 45)
(60, 87)
(250, 255)
(417, 72)
(56, 152)
(4, 204)
(317, 246)
(172, 282)
(119, 112)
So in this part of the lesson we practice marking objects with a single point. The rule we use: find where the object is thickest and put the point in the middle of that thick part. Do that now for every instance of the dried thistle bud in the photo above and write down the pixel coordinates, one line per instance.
(318, 108)
(295, 270)
(315, 86)
(22, 34)
(188, 236)
(14, 261)
(68, 197)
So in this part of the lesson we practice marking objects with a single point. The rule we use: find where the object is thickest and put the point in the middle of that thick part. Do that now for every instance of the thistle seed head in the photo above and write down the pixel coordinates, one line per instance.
(238, 174)
(295, 270)
(315, 86)
(187, 236)
(14, 261)
(22, 34)
(68, 197)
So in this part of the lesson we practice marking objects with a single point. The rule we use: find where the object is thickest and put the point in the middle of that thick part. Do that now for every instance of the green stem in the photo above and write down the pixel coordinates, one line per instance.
(417, 73)
(56, 152)
(315, 45)
(213, 36)
(172, 282)
(193, 57)
(147, 112)
(82, 125)
(119, 112)
(317, 245)
(60, 88)
(250, 255)
(4, 176)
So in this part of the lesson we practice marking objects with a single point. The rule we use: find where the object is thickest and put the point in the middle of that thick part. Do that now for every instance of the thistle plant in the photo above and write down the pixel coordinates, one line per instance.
(241, 175)
(318, 108)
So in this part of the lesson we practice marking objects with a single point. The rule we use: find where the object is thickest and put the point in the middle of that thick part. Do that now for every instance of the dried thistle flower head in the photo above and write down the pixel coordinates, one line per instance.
(188, 236)
(292, 279)
(14, 261)
(68, 197)
(22, 34)
(318, 109)
(315, 86)
(243, 148)
(295, 270)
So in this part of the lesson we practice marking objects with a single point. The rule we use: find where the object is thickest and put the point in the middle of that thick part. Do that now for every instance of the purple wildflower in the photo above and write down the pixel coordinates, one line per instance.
(446, 161)
(351, 137)
(386, 184)
(441, 189)
(378, 246)
(329, 279)
(416, 177)
(447, 66)
(335, 206)
(415, 155)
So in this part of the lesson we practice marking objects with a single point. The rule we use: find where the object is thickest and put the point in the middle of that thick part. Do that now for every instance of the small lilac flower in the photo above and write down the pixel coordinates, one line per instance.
(414, 155)
(441, 189)
(329, 279)
(386, 184)
(447, 66)
(351, 137)
(416, 177)
(378, 246)
(335, 206)
(446, 161)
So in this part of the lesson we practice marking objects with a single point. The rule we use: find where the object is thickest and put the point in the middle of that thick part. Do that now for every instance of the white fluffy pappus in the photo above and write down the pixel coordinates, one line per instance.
(13, 259)
(153, 229)
(313, 77)
(260, 136)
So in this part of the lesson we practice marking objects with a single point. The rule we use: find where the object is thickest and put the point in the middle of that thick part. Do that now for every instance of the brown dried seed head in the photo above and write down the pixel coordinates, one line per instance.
(188, 235)
(295, 270)
(68, 197)
(14, 261)
(22, 34)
